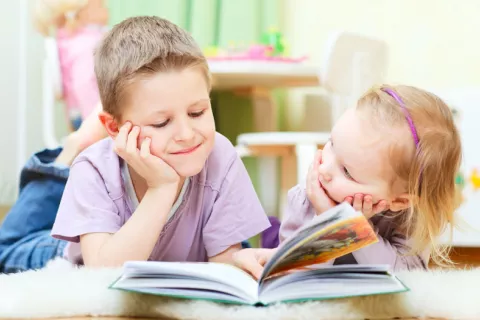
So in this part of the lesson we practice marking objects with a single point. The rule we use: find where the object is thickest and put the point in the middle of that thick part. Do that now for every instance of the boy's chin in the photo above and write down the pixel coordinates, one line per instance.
(189, 171)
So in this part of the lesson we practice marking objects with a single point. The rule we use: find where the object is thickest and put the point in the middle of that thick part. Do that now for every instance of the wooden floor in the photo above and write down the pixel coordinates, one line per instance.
(119, 318)
(465, 257)
(3, 212)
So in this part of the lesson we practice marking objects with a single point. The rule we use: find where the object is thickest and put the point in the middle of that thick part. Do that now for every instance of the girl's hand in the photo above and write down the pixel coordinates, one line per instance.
(364, 204)
(252, 260)
(320, 201)
(153, 169)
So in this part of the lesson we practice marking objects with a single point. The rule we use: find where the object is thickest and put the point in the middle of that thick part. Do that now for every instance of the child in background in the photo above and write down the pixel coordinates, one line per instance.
(394, 157)
(78, 25)
(165, 186)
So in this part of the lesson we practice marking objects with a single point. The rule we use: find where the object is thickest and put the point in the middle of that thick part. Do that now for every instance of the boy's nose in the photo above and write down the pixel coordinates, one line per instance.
(184, 132)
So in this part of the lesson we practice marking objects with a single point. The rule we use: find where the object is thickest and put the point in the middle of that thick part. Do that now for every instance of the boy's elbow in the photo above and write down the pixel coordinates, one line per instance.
(93, 253)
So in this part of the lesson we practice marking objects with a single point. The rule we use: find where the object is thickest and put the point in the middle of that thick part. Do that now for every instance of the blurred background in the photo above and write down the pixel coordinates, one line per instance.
(279, 66)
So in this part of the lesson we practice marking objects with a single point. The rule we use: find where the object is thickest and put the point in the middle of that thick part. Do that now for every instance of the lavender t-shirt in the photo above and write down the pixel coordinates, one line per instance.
(219, 207)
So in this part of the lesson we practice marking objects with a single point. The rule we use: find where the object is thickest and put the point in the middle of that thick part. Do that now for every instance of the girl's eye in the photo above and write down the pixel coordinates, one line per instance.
(347, 174)
(196, 114)
(161, 125)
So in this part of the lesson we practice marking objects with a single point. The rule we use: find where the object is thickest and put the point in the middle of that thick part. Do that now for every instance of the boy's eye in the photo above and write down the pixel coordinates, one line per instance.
(196, 114)
(347, 174)
(161, 125)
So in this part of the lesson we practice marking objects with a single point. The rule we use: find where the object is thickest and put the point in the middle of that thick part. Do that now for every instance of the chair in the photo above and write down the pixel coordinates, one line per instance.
(353, 64)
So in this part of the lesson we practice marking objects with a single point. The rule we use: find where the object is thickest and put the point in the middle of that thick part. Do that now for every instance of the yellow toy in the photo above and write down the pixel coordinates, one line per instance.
(475, 179)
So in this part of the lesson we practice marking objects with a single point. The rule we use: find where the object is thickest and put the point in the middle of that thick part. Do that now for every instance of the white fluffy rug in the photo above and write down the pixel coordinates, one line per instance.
(61, 290)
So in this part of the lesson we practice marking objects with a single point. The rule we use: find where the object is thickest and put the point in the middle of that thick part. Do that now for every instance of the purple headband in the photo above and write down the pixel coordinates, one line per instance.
(395, 96)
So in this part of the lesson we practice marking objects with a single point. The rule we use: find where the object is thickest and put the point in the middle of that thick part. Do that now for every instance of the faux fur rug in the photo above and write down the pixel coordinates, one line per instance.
(61, 290)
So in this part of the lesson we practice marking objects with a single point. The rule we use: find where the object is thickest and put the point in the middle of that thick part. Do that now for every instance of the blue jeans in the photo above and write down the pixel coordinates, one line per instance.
(25, 241)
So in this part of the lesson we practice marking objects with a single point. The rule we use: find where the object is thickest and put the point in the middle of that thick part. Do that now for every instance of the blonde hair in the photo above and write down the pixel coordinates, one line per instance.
(48, 13)
(141, 47)
(429, 172)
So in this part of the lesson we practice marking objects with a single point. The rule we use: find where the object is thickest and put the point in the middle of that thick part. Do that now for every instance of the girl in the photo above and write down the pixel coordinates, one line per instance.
(394, 157)
(79, 26)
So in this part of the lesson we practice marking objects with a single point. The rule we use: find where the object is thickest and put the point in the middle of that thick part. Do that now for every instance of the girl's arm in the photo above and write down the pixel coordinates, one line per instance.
(136, 238)
(394, 252)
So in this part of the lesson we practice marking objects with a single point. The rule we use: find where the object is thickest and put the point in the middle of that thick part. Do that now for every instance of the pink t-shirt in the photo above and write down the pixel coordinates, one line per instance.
(219, 207)
(75, 52)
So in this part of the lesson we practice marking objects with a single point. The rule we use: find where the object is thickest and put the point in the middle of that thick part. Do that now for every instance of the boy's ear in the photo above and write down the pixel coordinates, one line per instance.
(109, 123)
(401, 202)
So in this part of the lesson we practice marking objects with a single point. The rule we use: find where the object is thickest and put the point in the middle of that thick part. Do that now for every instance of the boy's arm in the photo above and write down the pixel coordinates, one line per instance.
(227, 255)
(237, 214)
(136, 238)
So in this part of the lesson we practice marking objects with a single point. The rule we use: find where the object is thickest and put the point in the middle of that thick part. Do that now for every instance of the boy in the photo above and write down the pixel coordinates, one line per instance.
(164, 186)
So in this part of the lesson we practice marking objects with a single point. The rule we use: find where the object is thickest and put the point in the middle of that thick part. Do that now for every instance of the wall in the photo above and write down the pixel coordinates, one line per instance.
(10, 84)
(432, 43)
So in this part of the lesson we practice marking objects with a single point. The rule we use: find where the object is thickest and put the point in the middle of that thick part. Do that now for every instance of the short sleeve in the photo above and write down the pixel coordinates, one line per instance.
(237, 214)
(299, 211)
(86, 206)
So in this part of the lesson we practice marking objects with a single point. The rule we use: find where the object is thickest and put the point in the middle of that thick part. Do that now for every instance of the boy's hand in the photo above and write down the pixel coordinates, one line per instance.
(364, 204)
(320, 201)
(153, 169)
(253, 260)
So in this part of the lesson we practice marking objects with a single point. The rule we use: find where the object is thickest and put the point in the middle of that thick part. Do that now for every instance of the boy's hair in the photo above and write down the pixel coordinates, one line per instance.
(140, 47)
(429, 172)
(47, 13)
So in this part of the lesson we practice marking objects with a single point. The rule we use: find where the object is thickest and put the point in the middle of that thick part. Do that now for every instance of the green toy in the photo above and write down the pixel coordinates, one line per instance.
(275, 39)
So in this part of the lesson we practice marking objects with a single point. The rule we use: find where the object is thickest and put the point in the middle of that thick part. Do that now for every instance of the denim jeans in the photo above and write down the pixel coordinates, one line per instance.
(25, 241)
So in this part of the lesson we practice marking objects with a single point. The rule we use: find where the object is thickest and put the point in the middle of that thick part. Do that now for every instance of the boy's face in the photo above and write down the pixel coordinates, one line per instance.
(173, 109)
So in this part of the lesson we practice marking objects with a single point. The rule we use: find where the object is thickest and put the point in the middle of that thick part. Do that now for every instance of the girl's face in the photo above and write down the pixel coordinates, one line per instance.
(357, 159)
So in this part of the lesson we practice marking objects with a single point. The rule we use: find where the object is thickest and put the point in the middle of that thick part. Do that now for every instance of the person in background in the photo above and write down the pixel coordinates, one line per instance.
(78, 26)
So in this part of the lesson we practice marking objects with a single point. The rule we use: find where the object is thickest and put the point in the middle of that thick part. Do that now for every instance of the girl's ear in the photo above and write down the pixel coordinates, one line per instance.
(109, 123)
(401, 202)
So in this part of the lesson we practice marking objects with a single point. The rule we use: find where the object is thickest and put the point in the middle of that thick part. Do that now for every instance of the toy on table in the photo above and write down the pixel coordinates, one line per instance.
(461, 183)
(275, 40)
(271, 48)
(475, 179)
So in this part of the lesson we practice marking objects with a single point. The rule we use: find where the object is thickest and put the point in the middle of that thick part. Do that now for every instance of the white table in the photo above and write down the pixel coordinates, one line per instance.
(234, 75)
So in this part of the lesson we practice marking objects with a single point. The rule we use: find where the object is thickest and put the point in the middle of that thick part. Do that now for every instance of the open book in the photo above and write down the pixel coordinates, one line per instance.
(294, 273)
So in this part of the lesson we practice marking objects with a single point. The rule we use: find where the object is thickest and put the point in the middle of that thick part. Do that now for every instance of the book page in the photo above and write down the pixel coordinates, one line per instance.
(332, 234)
(192, 272)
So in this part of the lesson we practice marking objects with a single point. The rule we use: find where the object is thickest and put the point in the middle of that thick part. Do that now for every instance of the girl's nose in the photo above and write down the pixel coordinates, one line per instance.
(324, 172)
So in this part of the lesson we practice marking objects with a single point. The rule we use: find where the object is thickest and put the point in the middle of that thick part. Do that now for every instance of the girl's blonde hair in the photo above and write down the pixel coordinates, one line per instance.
(47, 14)
(430, 171)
